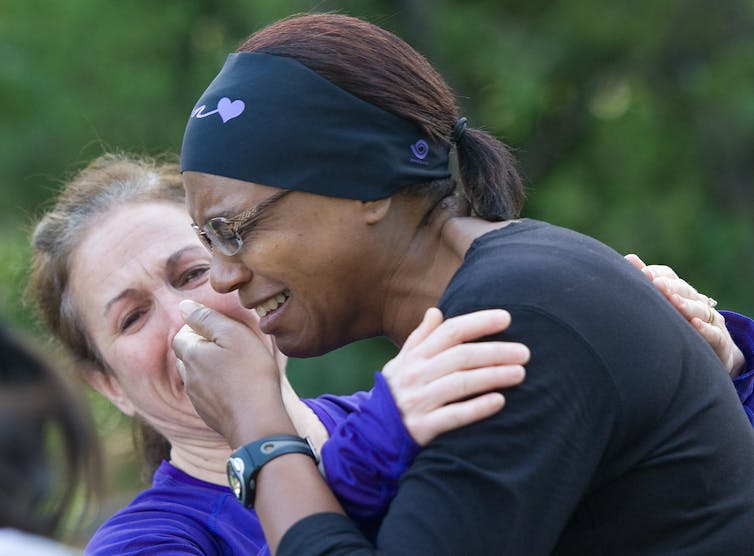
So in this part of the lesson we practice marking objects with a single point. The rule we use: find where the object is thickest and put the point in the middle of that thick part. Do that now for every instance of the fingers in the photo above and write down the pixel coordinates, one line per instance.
(635, 260)
(650, 271)
(700, 308)
(464, 328)
(212, 325)
(432, 319)
(714, 336)
(679, 287)
(475, 355)
(434, 407)
(661, 271)
(462, 384)
(201, 319)
(183, 342)
(456, 415)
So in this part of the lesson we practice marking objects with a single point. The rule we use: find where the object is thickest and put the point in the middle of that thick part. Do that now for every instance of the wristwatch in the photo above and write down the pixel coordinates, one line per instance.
(244, 464)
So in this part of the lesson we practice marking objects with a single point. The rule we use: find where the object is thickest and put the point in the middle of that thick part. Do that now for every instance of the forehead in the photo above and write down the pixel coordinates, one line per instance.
(128, 243)
(208, 196)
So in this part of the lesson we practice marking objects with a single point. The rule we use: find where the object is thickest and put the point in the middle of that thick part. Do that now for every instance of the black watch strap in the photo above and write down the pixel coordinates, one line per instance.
(244, 464)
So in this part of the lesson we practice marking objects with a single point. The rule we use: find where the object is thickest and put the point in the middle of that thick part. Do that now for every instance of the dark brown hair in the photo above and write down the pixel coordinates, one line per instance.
(107, 182)
(48, 445)
(378, 67)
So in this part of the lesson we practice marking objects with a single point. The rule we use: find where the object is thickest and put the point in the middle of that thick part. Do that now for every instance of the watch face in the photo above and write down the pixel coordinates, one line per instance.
(235, 476)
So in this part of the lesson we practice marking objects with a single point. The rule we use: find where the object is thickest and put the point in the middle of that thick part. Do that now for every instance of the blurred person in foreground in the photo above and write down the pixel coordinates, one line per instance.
(49, 450)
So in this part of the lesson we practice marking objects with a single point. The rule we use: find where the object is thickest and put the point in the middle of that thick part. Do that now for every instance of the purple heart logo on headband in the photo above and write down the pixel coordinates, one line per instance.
(230, 109)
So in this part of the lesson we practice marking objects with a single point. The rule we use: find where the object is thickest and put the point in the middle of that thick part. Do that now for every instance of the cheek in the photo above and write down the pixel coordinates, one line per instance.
(136, 361)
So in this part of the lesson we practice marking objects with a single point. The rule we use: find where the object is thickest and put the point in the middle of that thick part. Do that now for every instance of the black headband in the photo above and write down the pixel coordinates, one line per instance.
(271, 120)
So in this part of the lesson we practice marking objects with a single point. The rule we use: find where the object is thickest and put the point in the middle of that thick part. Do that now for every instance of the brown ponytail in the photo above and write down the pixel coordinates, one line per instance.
(490, 178)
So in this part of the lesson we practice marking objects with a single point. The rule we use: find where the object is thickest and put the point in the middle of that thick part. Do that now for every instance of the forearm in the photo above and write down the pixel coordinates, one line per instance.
(290, 488)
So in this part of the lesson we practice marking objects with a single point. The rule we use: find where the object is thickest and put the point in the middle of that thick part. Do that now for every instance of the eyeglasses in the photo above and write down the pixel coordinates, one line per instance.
(225, 234)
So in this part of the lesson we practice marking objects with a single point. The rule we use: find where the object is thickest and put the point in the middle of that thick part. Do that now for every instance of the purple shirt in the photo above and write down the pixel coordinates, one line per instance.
(741, 329)
(368, 451)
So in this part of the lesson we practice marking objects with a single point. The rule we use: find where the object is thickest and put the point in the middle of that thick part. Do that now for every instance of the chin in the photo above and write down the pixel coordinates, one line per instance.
(295, 346)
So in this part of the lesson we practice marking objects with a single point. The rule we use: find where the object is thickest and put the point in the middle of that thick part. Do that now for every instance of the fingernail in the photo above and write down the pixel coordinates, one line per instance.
(181, 369)
(524, 352)
(188, 306)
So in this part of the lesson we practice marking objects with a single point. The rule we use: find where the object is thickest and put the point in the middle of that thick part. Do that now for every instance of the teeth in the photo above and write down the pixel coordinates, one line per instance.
(271, 304)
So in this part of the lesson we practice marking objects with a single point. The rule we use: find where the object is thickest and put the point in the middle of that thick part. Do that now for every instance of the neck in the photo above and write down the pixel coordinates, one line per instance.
(304, 419)
(204, 456)
(202, 460)
(434, 254)
(420, 277)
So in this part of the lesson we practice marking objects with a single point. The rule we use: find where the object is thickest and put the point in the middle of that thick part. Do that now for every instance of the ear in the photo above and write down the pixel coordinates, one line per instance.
(108, 385)
(376, 211)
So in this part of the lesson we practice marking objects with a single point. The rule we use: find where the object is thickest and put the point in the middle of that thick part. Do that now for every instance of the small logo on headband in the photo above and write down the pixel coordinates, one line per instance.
(228, 109)
(420, 149)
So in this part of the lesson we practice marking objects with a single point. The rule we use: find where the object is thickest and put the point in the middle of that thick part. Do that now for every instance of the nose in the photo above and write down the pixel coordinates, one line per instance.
(169, 301)
(227, 274)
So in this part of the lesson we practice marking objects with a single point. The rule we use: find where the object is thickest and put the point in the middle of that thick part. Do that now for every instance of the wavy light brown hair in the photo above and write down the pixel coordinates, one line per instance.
(109, 181)
(48, 446)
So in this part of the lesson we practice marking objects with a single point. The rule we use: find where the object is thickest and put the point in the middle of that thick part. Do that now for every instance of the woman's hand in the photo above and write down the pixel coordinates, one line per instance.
(435, 373)
(230, 375)
(698, 309)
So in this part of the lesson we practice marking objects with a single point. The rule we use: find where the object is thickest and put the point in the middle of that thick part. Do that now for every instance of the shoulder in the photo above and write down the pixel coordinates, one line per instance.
(544, 267)
(181, 515)
(173, 510)
(148, 522)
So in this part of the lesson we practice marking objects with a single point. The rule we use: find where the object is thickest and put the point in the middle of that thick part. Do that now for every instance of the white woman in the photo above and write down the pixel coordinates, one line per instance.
(111, 262)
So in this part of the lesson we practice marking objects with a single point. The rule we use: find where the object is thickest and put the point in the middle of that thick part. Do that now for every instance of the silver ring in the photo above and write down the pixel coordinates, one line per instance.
(711, 302)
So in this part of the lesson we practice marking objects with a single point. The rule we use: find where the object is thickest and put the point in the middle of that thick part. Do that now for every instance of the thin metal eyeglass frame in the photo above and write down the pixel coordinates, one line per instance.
(230, 244)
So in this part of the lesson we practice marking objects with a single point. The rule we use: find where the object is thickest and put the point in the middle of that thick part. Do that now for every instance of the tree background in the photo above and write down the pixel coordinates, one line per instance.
(633, 122)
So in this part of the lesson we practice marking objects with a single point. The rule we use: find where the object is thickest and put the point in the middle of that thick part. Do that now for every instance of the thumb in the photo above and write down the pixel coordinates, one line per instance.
(204, 321)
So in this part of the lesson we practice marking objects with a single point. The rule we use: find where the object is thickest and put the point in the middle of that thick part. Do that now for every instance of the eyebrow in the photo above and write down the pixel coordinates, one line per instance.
(171, 261)
(128, 292)
(258, 212)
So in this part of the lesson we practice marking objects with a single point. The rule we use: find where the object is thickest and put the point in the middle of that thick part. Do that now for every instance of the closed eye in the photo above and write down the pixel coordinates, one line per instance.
(131, 319)
(193, 277)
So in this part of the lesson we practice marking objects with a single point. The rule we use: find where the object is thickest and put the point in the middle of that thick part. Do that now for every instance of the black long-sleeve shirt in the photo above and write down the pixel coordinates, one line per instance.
(626, 437)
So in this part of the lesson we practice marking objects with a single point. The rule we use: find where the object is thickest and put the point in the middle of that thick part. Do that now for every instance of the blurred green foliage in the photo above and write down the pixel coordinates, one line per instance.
(633, 121)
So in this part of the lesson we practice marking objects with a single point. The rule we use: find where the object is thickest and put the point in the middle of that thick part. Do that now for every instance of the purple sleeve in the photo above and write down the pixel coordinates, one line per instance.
(741, 329)
(368, 452)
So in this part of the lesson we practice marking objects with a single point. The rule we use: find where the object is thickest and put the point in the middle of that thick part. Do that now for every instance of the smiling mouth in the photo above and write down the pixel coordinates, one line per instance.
(272, 304)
